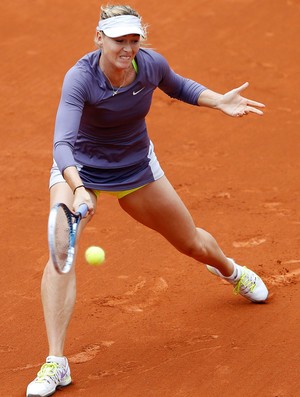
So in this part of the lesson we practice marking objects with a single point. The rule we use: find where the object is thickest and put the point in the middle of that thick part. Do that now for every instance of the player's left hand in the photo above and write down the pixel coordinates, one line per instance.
(234, 105)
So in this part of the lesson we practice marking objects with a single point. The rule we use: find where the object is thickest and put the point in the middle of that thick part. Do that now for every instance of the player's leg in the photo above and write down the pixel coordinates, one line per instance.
(59, 291)
(158, 206)
(58, 298)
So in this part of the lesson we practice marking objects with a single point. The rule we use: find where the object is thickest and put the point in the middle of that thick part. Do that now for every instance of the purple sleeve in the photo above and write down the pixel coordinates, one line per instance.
(68, 118)
(179, 87)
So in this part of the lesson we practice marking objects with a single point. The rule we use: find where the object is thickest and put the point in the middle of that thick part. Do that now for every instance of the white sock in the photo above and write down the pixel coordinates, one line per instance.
(236, 270)
(56, 359)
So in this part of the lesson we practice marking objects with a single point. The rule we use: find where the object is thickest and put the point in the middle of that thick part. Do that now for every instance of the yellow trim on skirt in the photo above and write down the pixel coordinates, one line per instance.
(119, 194)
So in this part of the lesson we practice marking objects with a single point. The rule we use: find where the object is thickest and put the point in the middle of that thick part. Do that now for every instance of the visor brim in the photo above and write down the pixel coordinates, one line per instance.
(122, 31)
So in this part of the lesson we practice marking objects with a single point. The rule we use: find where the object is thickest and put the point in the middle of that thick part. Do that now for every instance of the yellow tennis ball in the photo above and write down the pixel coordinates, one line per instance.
(95, 256)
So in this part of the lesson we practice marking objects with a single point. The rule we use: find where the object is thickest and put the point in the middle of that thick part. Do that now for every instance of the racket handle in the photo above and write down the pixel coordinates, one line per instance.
(82, 210)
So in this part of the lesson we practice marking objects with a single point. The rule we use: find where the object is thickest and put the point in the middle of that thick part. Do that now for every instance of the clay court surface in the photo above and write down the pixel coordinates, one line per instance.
(150, 322)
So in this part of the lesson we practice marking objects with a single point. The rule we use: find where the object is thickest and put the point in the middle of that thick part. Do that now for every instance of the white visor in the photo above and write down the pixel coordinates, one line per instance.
(121, 26)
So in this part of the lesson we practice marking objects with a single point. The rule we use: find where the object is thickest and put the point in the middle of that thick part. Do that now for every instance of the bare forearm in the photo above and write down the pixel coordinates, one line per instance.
(81, 195)
(210, 99)
(72, 177)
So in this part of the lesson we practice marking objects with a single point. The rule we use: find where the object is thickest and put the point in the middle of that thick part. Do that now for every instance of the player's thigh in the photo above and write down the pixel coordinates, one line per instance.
(158, 206)
(61, 193)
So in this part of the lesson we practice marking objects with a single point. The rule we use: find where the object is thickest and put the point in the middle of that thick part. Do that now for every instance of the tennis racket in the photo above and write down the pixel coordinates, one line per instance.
(62, 233)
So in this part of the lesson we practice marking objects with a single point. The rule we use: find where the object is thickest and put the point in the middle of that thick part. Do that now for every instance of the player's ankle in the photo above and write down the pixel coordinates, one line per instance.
(229, 271)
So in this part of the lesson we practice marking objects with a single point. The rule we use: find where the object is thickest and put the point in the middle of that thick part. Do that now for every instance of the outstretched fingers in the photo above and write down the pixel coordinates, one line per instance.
(250, 103)
(253, 110)
(247, 110)
(242, 87)
(254, 103)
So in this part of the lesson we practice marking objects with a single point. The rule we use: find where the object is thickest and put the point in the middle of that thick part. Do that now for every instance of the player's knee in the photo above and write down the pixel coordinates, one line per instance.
(195, 248)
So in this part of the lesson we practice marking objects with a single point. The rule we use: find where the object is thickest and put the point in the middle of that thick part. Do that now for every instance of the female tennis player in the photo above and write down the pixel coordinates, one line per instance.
(101, 144)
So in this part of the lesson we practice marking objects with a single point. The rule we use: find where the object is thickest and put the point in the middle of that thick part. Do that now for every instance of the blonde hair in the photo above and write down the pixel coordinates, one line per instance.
(109, 11)
(116, 10)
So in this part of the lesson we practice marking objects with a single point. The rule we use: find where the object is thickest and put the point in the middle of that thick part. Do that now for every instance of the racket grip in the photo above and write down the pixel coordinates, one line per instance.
(82, 210)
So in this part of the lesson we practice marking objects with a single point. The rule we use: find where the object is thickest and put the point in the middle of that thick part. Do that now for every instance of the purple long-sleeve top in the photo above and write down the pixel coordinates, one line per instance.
(98, 130)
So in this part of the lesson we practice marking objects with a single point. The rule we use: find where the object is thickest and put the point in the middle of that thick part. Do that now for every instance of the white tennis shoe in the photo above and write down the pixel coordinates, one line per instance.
(55, 372)
(245, 281)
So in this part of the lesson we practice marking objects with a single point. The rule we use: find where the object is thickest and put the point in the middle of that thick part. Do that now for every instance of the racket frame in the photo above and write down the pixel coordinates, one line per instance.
(73, 220)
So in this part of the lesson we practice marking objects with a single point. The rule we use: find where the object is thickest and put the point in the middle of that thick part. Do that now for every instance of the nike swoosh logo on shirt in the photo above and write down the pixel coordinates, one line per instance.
(137, 92)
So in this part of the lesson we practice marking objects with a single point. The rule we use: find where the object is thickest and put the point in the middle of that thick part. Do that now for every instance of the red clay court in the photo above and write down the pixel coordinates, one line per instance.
(150, 322)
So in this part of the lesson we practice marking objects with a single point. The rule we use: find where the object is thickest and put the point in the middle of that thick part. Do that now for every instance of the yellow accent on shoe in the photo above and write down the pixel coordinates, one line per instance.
(51, 375)
(244, 281)
(247, 283)
(47, 369)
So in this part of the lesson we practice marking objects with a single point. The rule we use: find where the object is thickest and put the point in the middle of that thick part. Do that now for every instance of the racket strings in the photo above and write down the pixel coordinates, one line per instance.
(63, 231)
